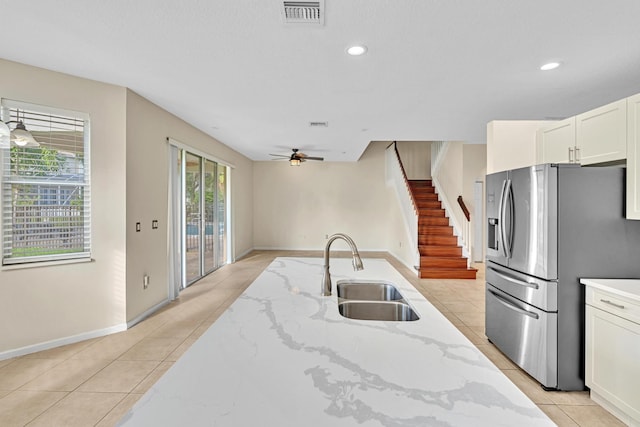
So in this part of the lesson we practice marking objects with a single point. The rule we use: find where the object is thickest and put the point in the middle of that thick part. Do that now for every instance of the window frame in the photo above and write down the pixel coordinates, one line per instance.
(6, 180)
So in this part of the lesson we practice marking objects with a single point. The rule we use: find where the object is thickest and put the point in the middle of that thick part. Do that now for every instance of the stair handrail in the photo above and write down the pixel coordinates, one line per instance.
(397, 178)
(466, 230)
(464, 208)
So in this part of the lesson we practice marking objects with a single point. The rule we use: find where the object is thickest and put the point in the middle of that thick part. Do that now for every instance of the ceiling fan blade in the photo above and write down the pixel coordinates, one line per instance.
(314, 158)
(280, 155)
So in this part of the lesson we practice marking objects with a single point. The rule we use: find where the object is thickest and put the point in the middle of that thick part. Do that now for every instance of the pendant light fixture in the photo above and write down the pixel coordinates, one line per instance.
(20, 135)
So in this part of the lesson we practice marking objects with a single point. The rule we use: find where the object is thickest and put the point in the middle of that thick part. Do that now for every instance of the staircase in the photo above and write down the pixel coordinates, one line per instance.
(440, 255)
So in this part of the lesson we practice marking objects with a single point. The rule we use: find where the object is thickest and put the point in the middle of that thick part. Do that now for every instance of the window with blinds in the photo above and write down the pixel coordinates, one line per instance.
(45, 192)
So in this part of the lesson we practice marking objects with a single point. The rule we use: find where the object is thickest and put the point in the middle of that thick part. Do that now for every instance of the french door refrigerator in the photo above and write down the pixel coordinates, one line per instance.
(548, 226)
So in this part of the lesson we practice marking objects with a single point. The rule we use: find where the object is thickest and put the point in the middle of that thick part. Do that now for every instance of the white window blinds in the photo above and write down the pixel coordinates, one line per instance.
(45, 185)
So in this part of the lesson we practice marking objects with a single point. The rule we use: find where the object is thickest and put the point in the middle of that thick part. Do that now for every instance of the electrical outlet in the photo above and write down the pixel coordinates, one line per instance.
(145, 281)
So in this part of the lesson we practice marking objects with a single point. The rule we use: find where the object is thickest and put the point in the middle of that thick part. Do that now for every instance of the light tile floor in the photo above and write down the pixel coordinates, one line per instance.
(95, 382)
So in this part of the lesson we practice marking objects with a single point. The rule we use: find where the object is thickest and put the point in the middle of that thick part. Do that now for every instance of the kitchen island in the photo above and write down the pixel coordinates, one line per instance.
(282, 355)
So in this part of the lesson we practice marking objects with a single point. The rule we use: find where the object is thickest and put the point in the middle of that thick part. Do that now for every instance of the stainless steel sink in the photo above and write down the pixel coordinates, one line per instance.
(370, 290)
(377, 310)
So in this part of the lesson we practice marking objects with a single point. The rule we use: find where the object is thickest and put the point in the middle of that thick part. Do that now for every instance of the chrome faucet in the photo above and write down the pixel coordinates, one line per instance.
(357, 262)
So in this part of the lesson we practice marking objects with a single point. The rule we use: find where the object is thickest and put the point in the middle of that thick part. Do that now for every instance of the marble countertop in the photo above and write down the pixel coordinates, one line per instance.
(282, 355)
(629, 288)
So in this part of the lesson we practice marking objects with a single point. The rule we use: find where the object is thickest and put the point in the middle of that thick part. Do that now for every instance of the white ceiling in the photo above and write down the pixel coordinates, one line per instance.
(435, 69)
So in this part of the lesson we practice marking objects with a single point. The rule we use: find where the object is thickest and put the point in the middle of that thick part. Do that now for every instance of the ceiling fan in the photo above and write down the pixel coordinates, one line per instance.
(296, 158)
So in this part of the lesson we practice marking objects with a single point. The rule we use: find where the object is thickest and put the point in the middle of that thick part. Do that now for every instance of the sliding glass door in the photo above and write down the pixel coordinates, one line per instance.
(204, 229)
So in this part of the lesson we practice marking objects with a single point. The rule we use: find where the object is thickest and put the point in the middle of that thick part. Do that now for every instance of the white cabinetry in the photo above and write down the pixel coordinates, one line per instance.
(612, 349)
(597, 136)
(633, 157)
(557, 143)
(511, 144)
(601, 134)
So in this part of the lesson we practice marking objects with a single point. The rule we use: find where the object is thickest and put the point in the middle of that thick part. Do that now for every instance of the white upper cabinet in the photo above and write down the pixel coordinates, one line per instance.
(597, 136)
(601, 134)
(633, 157)
(557, 144)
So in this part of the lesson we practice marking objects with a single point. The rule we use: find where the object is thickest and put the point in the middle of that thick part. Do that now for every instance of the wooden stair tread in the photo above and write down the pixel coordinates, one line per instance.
(435, 239)
(440, 230)
(440, 250)
(448, 273)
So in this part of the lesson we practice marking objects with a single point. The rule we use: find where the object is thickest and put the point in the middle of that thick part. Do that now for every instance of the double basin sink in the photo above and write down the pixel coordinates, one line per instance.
(373, 300)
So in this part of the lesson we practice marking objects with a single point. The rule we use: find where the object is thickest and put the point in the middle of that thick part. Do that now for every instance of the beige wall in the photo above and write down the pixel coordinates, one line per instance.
(295, 207)
(148, 127)
(44, 306)
(416, 158)
(51, 303)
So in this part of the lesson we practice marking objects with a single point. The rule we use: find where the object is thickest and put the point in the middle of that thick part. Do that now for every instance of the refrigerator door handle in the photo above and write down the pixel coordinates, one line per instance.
(510, 306)
(501, 219)
(506, 239)
(514, 280)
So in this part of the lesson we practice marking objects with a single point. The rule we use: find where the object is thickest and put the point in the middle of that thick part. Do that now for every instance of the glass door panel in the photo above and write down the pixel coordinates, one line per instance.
(210, 230)
(221, 223)
(193, 220)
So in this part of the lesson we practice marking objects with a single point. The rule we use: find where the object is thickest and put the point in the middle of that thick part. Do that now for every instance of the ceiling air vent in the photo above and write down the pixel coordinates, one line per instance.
(303, 12)
(319, 124)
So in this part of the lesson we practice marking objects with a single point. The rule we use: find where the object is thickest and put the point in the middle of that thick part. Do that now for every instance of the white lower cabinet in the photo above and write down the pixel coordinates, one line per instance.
(612, 356)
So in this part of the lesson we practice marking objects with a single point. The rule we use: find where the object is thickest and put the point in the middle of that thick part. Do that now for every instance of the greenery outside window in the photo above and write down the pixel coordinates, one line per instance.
(45, 191)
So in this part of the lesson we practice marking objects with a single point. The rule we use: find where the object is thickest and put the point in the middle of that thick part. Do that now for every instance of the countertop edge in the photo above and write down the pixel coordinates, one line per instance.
(628, 288)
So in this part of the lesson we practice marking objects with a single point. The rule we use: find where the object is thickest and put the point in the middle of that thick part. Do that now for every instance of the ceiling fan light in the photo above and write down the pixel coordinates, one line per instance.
(294, 162)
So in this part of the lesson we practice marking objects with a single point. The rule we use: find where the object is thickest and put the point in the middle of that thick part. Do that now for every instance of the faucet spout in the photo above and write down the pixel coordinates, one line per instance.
(356, 261)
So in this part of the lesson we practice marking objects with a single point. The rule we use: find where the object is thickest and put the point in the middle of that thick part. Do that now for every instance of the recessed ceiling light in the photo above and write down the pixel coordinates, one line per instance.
(550, 66)
(357, 50)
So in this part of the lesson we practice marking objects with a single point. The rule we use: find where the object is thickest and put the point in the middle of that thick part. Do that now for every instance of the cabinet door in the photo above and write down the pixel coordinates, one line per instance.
(601, 134)
(633, 157)
(611, 359)
(555, 144)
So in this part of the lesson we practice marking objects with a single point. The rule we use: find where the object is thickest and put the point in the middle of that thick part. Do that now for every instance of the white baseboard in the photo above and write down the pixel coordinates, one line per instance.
(239, 256)
(146, 313)
(62, 341)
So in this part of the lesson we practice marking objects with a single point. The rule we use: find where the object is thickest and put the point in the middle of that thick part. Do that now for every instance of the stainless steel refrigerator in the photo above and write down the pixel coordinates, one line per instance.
(548, 226)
